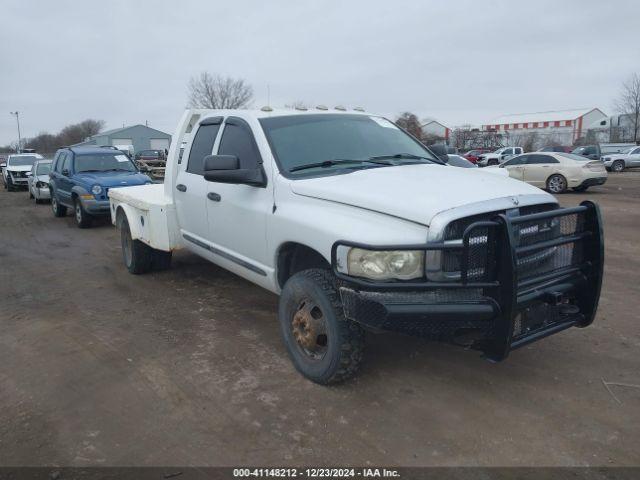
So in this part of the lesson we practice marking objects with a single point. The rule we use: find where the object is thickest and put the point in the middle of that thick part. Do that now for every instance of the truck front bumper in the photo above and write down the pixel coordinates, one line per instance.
(95, 207)
(513, 301)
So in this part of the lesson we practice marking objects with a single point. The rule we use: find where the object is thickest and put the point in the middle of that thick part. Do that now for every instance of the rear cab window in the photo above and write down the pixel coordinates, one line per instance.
(202, 145)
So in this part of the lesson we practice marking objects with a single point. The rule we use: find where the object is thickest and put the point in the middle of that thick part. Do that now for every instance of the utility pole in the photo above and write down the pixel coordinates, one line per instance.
(17, 115)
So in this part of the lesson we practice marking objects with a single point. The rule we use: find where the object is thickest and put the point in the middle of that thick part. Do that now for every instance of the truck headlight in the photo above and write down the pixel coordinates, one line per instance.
(380, 264)
(96, 189)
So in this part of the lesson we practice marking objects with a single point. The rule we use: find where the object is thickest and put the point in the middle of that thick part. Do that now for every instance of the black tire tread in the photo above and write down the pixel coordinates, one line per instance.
(352, 346)
(87, 221)
(141, 254)
(61, 210)
(160, 260)
(566, 182)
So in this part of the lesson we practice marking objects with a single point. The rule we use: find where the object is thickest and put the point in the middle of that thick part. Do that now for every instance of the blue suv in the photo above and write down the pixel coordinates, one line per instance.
(81, 177)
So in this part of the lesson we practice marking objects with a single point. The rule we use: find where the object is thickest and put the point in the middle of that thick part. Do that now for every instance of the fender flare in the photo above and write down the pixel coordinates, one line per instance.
(130, 214)
(79, 190)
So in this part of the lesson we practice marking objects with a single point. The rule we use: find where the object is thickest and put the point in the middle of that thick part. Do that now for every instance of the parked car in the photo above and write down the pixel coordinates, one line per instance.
(151, 162)
(617, 162)
(474, 155)
(458, 161)
(501, 155)
(38, 182)
(81, 177)
(556, 171)
(16, 173)
(557, 148)
(356, 225)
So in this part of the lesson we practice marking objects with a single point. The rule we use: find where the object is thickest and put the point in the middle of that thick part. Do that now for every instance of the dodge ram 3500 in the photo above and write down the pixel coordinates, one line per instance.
(358, 226)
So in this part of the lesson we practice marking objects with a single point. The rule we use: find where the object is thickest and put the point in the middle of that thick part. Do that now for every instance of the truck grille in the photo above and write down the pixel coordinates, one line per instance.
(481, 255)
(543, 260)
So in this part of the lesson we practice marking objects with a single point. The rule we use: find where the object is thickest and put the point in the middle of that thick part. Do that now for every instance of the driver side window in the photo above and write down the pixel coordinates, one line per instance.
(522, 159)
(66, 162)
(238, 140)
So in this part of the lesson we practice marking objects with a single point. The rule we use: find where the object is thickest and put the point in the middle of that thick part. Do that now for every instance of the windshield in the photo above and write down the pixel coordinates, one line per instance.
(299, 140)
(21, 161)
(43, 168)
(103, 162)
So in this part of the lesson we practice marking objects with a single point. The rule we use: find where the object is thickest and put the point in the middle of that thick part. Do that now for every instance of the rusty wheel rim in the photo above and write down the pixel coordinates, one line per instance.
(309, 329)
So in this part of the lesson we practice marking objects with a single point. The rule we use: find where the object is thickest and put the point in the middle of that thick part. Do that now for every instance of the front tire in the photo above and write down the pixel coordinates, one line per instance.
(492, 162)
(83, 219)
(138, 257)
(322, 343)
(617, 166)
(557, 184)
(58, 210)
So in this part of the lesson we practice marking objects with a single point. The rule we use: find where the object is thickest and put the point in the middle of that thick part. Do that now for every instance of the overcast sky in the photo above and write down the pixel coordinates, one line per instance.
(128, 61)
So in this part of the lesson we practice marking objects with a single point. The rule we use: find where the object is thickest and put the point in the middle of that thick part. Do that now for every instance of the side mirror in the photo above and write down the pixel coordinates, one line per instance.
(3, 165)
(221, 162)
(226, 169)
(65, 172)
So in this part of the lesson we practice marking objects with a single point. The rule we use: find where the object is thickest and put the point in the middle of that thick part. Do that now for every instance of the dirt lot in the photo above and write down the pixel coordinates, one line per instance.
(186, 367)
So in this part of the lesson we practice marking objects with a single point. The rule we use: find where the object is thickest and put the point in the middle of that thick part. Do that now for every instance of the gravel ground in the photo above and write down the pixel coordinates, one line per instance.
(186, 367)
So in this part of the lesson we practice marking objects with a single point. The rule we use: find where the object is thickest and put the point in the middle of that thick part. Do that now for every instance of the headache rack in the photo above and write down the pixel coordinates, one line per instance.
(540, 273)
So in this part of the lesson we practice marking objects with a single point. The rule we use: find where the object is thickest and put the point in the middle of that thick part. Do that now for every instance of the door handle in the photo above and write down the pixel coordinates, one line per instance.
(181, 187)
(214, 196)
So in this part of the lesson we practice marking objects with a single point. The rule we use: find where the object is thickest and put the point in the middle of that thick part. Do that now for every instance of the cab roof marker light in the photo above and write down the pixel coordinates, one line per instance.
(301, 107)
(321, 107)
(358, 109)
(267, 108)
(341, 108)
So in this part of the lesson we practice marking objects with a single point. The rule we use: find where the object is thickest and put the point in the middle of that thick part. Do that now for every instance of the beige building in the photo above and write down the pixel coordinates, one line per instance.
(564, 126)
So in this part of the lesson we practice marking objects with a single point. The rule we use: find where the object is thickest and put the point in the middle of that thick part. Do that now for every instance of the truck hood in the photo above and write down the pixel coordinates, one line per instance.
(19, 168)
(414, 192)
(113, 179)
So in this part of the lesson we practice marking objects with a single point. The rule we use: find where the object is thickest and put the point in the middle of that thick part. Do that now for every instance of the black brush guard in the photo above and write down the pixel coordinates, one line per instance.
(534, 275)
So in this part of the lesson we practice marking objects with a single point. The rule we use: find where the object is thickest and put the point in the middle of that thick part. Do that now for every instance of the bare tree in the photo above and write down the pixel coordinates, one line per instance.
(79, 132)
(215, 91)
(628, 103)
(409, 122)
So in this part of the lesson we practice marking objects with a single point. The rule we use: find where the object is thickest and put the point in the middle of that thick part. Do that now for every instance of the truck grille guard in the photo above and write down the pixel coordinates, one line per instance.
(545, 265)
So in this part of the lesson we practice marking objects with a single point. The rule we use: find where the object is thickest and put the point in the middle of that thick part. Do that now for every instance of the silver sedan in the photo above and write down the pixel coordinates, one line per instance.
(38, 182)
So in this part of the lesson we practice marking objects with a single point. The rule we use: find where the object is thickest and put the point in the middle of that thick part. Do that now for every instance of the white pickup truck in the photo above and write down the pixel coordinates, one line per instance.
(358, 226)
(499, 156)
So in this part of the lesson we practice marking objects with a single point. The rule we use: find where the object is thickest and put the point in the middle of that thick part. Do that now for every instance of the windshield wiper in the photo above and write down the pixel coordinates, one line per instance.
(406, 155)
(117, 170)
(330, 163)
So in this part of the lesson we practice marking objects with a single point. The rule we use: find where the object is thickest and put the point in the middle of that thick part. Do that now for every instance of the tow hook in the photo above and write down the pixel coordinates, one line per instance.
(554, 298)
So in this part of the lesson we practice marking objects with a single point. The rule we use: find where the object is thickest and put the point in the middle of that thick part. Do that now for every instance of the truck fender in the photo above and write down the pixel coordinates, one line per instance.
(77, 191)
(132, 218)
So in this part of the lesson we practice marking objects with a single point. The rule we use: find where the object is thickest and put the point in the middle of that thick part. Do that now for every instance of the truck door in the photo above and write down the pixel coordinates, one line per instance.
(237, 213)
(190, 191)
(63, 182)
